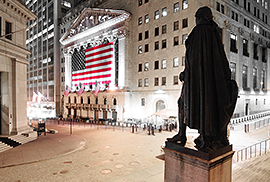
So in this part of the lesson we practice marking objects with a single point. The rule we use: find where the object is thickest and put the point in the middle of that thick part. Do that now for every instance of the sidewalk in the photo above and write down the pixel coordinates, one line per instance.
(45, 147)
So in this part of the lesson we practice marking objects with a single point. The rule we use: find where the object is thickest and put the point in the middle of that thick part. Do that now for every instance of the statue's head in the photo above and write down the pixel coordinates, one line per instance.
(204, 14)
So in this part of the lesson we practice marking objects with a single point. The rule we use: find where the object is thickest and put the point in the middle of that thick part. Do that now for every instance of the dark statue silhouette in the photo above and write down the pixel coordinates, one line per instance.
(208, 95)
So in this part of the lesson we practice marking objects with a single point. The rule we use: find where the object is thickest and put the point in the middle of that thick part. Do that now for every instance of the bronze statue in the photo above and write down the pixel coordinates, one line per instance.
(208, 94)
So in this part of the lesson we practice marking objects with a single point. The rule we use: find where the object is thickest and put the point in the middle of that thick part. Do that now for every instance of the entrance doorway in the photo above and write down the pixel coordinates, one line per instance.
(96, 115)
(104, 114)
(75, 114)
(246, 109)
(114, 115)
(160, 105)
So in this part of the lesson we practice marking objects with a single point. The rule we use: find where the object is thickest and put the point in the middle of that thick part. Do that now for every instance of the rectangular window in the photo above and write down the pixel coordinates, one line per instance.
(184, 38)
(244, 76)
(176, 7)
(146, 18)
(175, 80)
(164, 44)
(248, 6)
(8, 30)
(164, 29)
(146, 48)
(176, 25)
(156, 14)
(156, 31)
(233, 70)
(146, 66)
(264, 57)
(156, 82)
(146, 34)
(140, 83)
(176, 41)
(140, 67)
(140, 21)
(185, 23)
(163, 81)
(184, 4)
(146, 82)
(176, 62)
(146, 1)
(245, 48)
(255, 51)
(143, 101)
(254, 78)
(263, 80)
(164, 12)
(140, 36)
(156, 45)
(156, 65)
(140, 51)
(163, 64)
(140, 2)
(222, 9)
(218, 6)
(233, 43)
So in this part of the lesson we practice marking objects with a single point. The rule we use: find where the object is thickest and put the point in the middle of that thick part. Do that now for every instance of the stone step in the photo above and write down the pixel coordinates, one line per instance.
(4, 147)
(21, 139)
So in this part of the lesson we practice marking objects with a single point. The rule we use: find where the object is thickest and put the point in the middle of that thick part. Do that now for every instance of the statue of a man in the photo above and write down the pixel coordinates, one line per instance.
(208, 94)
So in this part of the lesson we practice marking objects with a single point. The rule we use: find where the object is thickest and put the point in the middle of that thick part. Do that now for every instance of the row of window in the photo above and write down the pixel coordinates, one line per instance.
(233, 48)
(164, 11)
(163, 64)
(163, 29)
(245, 76)
(88, 100)
(156, 81)
(163, 44)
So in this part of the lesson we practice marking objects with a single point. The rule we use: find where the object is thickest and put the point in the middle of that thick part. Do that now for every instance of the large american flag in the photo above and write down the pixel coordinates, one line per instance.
(93, 64)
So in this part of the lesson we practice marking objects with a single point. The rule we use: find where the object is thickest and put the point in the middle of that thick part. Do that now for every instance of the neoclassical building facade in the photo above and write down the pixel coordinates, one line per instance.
(13, 67)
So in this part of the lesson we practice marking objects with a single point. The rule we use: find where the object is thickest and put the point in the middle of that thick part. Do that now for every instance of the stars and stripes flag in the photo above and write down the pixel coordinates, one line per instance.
(67, 91)
(97, 87)
(81, 90)
(93, 64)
(35, 96)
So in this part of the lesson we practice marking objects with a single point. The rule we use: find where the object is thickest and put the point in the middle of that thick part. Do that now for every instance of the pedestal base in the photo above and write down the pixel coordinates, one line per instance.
(184, 164)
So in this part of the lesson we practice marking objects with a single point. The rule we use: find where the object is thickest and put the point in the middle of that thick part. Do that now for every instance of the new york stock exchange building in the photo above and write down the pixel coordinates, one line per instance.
(95, 67)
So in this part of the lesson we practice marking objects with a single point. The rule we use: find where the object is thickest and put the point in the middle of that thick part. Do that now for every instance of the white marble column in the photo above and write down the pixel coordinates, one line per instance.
(68, 70)
(122, 52)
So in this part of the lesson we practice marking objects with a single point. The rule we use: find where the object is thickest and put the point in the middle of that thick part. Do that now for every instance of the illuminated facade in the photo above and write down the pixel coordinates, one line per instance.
(154, 51)
(13, 63)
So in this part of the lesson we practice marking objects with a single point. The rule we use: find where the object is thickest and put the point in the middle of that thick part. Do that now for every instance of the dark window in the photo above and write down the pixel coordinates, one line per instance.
(164, 43)
(140, 2)
(156, 45)
(69, 100)
(233, 70)
(176, 25)
(185, 23)
(263, 79)
(175, 80)
(8, 30)
(140, 36)
(156, 65)
(146, 48)
(75, 100)
(254, 78)
(156, 81)
(176, 41)
(264, 55)
(233, 43)
(245, 48)
(146, 1)
(164, 29)
(163, 81)
(81, 100)
(218, 6)
(96, 100)
(114, 102)
(222, 9)
(88, 100)
(156, 31)
(140, 68)
(146, 34)
(105, 101)
(143, 101)
(255, 51)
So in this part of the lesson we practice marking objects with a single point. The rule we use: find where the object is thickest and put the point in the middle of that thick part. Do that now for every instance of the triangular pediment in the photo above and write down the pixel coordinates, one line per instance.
(93, 18)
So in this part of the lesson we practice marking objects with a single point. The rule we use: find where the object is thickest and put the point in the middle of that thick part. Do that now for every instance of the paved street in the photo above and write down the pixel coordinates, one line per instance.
(99, 154)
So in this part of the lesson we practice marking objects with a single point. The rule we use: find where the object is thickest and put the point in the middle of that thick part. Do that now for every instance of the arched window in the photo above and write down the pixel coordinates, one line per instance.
(75, 100)
(114, 102)
(96, 100)
(81, 100)
(160, 105)
(88, 100)
(69, 100)
(105, 101)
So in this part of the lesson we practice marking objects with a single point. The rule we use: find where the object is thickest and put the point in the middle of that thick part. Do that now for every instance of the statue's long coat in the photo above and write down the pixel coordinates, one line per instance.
(208, 92)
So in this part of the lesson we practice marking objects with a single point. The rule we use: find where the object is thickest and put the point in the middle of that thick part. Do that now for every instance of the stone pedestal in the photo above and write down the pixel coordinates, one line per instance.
(185, 164)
